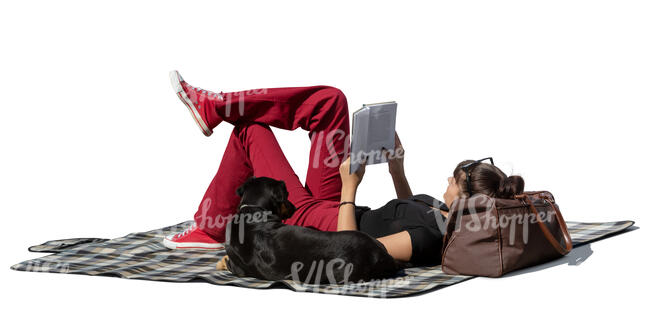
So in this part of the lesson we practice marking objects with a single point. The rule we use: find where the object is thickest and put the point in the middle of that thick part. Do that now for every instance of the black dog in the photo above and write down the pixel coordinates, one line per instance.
(261, 246)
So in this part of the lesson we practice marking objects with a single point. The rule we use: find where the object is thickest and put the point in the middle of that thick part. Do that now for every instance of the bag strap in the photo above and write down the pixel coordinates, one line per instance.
(565, 232)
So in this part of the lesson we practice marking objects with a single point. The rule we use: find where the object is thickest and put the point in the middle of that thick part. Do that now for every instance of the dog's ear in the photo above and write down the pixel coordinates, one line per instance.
(280, 194)
(287, 209)
(242, 188)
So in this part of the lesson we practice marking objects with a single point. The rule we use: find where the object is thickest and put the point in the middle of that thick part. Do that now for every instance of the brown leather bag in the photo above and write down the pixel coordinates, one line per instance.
(486, 236)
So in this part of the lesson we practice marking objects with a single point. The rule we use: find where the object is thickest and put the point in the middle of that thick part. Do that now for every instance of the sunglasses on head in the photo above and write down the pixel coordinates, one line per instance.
(468, 173)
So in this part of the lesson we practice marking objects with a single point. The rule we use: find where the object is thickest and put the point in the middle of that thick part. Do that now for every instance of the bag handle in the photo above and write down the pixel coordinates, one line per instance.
(565, 232)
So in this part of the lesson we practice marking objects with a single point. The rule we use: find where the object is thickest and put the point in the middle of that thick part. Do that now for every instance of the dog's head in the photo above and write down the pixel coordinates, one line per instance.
(268, 193)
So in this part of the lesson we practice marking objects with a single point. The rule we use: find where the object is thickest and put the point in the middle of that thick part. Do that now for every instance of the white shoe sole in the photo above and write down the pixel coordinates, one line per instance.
(174, 245)
(176, 79)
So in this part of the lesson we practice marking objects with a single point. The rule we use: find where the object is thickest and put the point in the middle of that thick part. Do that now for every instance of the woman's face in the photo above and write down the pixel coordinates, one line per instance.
(453, 191)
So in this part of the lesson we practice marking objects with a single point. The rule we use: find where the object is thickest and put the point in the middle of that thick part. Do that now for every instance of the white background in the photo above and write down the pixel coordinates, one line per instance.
(95, 143)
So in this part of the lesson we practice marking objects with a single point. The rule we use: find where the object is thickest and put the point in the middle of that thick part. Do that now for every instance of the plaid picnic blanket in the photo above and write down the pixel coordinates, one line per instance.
(141, 255)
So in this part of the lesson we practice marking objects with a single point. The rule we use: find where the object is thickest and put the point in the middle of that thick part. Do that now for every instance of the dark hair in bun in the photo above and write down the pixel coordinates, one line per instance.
(489, 180)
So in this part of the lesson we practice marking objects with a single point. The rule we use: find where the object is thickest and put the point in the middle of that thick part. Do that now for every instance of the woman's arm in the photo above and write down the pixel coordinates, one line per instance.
(396, 169)
(402, 188)
(347, 219)
(398, 245)
(350, 183)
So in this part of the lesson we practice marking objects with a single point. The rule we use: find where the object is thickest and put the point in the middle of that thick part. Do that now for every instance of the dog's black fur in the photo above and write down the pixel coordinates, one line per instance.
(265, 248)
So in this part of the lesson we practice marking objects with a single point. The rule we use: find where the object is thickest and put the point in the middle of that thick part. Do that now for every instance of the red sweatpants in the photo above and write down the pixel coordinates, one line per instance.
(253, 150)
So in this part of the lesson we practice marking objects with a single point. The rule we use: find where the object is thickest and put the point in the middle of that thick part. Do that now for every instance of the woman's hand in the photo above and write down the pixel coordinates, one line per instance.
(354, 179)
(395, 158)
(346, 218)
(396, 169)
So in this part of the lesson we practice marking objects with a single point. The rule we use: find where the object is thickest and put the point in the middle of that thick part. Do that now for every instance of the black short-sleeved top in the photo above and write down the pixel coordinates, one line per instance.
(417, 215)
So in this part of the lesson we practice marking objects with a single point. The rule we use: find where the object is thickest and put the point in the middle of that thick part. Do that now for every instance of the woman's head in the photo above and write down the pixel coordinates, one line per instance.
(485, 179)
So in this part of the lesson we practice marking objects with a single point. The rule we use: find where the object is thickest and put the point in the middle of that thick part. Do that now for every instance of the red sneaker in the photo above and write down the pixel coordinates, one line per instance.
(192, 238)
(198, 101)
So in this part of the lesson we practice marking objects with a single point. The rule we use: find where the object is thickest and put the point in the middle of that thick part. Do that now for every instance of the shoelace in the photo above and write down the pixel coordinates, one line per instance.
(186, 231)
(208, 92)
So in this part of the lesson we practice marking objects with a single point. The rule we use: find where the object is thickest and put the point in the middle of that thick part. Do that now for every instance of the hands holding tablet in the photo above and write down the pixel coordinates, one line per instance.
(395, 159)
(354, 179)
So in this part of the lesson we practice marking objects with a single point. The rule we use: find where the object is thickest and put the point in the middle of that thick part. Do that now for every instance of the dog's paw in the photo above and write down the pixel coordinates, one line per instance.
(221, 265)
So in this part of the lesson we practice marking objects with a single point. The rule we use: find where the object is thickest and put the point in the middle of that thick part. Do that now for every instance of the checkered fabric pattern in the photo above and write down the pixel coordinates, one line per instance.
(142, 256)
